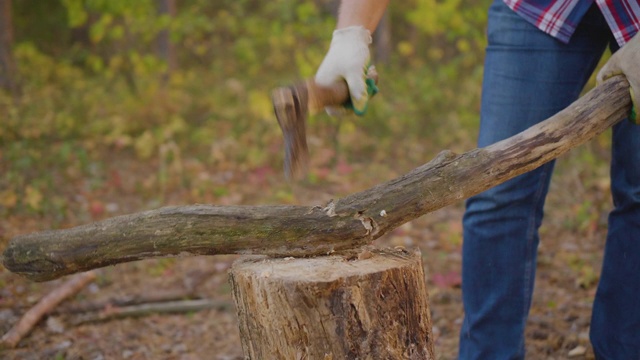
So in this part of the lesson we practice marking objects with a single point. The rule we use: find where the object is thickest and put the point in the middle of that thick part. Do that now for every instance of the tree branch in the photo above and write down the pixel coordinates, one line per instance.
(45, 306)
(302, 231)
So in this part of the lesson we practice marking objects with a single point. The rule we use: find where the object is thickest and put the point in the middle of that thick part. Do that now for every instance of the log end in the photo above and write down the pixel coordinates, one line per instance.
(28, 261)
(27, 271)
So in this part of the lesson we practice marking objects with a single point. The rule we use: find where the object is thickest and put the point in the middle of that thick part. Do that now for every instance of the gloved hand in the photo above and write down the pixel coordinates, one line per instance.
(348, 58)
(626, 61)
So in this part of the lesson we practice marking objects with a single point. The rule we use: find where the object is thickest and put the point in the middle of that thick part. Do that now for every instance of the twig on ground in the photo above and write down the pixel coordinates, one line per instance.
(189, 291)
(135, 299)
(43, 307)
(151, 308)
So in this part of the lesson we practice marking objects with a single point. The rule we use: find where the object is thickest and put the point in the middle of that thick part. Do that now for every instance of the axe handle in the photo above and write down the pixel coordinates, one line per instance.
(293, 104)
(335, 95)
(322, 96)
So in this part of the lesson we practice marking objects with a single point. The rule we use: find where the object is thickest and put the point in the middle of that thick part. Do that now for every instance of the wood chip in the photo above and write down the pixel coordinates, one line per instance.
(577, 351)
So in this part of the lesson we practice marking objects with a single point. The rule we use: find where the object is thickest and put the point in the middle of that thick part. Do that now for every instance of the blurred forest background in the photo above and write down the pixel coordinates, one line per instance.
(110, 107)
(185, 85)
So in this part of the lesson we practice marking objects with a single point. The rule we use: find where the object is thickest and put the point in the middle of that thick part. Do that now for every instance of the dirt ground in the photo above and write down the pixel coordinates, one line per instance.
(569, 262)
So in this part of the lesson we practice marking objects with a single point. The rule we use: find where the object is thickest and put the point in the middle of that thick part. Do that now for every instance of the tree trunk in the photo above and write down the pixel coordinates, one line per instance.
(301, 230)
(382, 40)
(331, 307)
(166, 50)
(8, 68)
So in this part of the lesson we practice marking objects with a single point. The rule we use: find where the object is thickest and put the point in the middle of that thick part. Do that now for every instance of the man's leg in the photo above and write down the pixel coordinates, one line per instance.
(529, 76)
(615, 324)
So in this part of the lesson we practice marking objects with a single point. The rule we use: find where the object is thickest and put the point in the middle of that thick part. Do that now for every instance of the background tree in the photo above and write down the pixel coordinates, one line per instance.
(8, 71)
(166, 49)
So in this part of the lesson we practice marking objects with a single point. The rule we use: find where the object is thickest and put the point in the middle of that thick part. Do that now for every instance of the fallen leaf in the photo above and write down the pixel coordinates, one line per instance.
(343, 168)
(96, 208)
(33, 198)
(8, 199)
(448, 280)
(577, 351)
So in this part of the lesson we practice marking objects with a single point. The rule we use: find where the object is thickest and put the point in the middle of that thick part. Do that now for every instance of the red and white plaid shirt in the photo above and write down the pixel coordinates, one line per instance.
(559, 18)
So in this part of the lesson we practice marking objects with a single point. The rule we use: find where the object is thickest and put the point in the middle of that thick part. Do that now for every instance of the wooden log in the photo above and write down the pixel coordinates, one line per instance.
(346, 223)
(330, 307)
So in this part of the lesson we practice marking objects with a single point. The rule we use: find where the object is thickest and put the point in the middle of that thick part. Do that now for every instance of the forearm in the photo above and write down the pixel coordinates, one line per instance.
(366, 13)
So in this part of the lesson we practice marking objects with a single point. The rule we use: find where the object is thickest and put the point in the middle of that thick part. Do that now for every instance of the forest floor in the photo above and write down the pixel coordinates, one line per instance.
(569, 258)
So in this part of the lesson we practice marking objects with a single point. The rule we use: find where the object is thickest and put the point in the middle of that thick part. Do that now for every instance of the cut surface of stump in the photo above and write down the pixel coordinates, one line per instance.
(368, 306)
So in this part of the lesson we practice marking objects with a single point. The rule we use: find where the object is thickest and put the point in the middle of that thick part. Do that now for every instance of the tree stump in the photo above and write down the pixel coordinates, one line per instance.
(372, 305)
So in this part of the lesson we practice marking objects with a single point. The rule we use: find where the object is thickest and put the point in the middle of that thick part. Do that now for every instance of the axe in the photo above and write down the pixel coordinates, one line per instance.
(293, 105)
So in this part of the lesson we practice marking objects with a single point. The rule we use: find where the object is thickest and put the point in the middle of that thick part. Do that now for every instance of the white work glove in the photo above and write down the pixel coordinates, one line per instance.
(626, 61)
(348, 58)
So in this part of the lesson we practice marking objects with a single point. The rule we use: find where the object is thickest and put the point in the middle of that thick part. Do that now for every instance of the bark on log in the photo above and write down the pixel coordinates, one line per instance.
(333, 308)
(302, 231)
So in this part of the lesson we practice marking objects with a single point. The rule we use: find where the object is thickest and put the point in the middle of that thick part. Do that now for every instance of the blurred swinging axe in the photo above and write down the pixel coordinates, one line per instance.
(293, 104)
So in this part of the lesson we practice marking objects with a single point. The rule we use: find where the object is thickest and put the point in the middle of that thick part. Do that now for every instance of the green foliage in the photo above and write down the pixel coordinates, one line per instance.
(94, 80)
(108, 47)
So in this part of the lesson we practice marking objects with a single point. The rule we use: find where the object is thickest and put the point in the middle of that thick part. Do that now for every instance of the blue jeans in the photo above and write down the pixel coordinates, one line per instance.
(529, 76)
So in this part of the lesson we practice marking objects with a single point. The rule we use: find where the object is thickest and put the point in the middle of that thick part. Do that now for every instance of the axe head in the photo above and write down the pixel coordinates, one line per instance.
(291, 105)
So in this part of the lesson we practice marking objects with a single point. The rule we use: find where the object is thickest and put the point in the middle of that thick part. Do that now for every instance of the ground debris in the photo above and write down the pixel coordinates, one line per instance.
(577, 351)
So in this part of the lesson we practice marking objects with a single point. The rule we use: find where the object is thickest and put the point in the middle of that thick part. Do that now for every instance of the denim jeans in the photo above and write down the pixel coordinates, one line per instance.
(529, 76)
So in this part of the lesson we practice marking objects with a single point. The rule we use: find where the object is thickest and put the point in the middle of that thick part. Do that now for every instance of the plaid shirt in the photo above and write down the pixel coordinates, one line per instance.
(559, 18)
